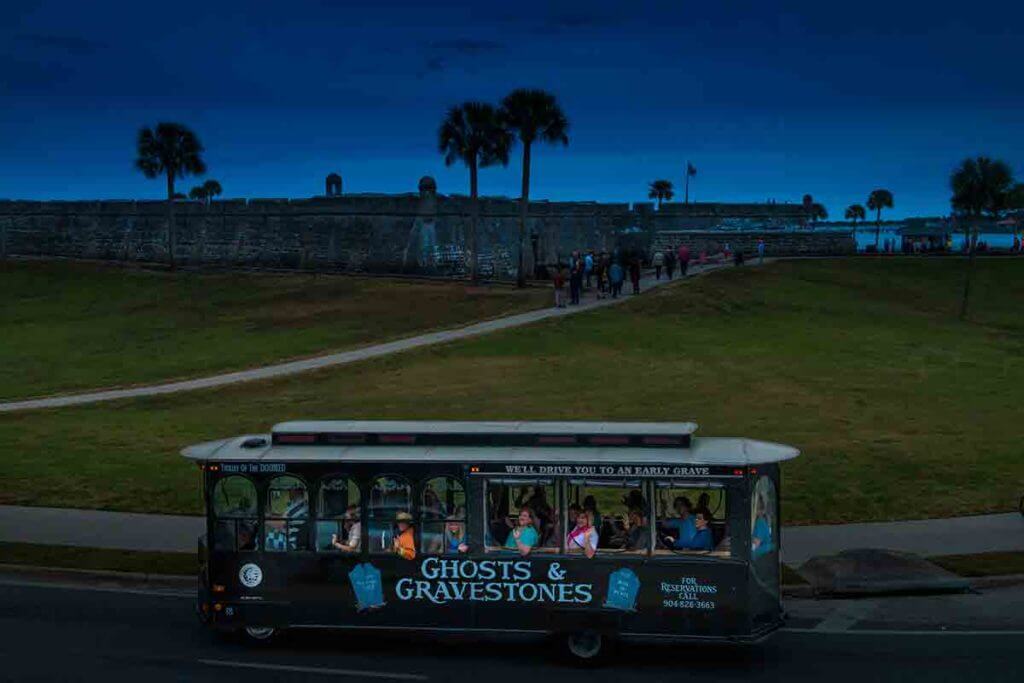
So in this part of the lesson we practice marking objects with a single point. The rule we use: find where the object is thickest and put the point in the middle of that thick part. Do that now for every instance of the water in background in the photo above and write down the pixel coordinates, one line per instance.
(866, 236)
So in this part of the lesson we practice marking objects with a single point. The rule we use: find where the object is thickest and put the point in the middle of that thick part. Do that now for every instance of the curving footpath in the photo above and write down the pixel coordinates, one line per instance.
(343, 358)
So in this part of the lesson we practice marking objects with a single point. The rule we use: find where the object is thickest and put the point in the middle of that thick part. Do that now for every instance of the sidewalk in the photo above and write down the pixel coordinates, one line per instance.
(174, 533)
(926, 537)
(354, 356)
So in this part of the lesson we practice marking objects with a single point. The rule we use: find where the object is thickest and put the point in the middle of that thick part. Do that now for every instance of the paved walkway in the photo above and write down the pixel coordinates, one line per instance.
(954, 536)
(346, 357)
(172, 533)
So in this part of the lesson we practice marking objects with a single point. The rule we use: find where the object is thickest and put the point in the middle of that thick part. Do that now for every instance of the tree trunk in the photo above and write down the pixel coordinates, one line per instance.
(969, 236)
(170, 220)
(474, 211)
(878, 226)
(524, 203)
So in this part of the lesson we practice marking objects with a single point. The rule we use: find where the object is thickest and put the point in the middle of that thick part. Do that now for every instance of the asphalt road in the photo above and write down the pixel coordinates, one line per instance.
(65, 633)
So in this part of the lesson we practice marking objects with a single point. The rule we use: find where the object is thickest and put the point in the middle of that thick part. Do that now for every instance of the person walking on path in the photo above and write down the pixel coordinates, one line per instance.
(760, 250)
(684, 259)
(588, 266)
(559, 282)
(575, 279)
(670, 263)
(659, 263)
(615, 277)
(634, 274)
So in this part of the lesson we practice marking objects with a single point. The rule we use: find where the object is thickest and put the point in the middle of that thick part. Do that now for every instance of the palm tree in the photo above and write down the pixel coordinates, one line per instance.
(206, 192)
(878, 200)
(980, 185)
(172, 150)
(855, 212)
(472, 133)
(808, 203)
(819, 212)
(534, 115)
(1016, 202)
(661, 190)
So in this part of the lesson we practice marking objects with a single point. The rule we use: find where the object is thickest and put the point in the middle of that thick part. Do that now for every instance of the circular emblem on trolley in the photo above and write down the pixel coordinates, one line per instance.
(250, 575)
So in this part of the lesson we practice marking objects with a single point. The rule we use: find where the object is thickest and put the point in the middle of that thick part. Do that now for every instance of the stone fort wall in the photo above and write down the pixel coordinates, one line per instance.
(424, 233)
(777, 243)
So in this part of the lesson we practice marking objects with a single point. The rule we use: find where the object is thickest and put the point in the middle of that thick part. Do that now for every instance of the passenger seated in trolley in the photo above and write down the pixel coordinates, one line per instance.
(352, 532)
(702, 538)
(761, 533)
(455, 535)
(638, 535)
(537, 502)
(523, 537)
(404, 544)
(584, 537)
(679, 532)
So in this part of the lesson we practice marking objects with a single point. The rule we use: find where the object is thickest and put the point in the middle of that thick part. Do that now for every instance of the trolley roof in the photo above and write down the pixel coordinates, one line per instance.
(482, 442)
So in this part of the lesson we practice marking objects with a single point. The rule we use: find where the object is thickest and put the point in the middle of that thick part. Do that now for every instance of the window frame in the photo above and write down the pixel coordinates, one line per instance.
(307, 520)
(671, 483)
(256, 517)
(367, 507)
(514, 480)
(317, 514)
(622, 483)
(422, 521)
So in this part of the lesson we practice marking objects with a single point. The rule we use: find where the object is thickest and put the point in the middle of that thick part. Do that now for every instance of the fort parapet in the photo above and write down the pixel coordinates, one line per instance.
(422, 233)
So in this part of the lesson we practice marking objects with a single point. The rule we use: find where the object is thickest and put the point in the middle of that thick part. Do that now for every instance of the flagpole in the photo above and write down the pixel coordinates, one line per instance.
(687, 172)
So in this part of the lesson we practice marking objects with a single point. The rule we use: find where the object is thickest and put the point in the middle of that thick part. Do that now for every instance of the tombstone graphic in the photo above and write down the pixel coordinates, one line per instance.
(365, 580)
(623, 588)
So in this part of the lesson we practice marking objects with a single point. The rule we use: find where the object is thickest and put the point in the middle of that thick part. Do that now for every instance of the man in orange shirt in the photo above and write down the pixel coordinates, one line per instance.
(405, 540)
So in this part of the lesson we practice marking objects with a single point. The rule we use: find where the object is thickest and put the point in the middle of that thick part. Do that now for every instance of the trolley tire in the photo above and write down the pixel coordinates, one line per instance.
(259, 636)
(585, 647)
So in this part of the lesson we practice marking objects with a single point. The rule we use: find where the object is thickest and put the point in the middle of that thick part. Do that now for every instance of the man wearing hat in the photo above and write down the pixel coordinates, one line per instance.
(405, 539)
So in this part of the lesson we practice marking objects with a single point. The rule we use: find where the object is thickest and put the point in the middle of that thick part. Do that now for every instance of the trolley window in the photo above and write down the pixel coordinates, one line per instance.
(338, 527)
(443, 516)
(763, 519)
(390, 512)
(522, 516)
(286, 515)
(607, 516)
(691, 519)
(234, 509)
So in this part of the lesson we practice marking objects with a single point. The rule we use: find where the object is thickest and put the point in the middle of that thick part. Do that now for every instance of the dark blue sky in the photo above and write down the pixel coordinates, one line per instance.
(766, 99)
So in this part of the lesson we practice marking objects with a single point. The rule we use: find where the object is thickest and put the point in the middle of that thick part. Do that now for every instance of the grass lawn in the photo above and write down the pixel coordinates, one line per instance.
(68, 557)
(901, 410)
(983, 564)
(71, 326)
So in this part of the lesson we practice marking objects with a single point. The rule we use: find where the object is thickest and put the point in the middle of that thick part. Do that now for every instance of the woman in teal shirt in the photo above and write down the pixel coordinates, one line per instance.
(524, 535)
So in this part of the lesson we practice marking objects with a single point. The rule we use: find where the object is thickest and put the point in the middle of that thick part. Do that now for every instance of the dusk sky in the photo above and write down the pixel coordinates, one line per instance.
(765, 99)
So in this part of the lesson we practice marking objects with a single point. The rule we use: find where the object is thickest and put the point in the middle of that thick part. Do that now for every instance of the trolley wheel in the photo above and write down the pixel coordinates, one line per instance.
(585, 647)
(1021, 505)
(260, 636)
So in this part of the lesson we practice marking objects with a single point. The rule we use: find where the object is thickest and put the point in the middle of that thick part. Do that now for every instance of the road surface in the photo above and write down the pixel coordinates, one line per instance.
(68, 632)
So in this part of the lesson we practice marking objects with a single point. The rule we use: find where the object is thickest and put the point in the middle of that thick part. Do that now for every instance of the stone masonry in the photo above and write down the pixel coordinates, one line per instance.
(415, 233)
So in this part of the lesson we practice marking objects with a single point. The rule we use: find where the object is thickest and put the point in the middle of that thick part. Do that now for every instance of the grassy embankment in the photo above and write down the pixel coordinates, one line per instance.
(902, 410)
(72, 326)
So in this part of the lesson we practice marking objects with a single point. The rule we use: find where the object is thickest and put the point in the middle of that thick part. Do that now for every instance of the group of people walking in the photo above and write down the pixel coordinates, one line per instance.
(608, 272)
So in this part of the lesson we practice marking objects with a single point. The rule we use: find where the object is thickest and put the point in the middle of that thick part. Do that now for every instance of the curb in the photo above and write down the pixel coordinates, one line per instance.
(998, 581)
(101, 576)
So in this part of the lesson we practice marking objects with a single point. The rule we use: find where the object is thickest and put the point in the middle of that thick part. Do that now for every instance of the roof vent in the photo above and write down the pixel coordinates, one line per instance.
(254, 442)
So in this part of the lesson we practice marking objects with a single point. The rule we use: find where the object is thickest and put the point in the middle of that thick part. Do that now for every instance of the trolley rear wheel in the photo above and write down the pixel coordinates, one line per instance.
(585, 647)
